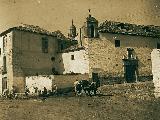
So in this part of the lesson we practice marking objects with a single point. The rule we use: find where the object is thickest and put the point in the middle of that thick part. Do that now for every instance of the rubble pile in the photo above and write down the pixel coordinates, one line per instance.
(130, 29)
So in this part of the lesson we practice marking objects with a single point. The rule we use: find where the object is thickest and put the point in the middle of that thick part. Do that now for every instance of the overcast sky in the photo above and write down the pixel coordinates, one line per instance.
(57, 14)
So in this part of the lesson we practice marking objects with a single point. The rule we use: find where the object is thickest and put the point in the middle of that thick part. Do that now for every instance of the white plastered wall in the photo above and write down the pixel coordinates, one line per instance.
(40, 82)
(155, 56)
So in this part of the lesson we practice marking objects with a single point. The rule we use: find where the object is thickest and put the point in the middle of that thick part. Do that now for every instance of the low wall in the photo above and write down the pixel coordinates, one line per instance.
(48, 81)
(120, 80)
(40, 82)
(64, 81)
(134, 90)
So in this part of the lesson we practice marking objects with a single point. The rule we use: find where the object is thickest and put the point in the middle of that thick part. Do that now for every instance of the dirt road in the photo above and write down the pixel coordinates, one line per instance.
(81, 108)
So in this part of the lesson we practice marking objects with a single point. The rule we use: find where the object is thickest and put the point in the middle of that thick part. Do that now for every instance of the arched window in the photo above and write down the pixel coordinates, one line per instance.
(92, 31)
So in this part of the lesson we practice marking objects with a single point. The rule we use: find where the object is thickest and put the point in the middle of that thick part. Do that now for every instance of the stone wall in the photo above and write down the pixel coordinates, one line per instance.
(6, 51)
(28, 58)
(141, 90)
(106, 59)
(29, 55)
(66, 81)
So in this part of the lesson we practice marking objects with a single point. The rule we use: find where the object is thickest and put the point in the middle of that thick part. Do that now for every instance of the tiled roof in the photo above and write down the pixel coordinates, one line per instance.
(34, 29)
(73, 48)
(129, 29)
(59, 35)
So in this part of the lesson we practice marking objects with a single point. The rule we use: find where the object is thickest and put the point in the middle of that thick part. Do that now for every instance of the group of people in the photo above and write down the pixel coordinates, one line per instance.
(45, 92)
(84, 86)
(9, 94)
(80, 86)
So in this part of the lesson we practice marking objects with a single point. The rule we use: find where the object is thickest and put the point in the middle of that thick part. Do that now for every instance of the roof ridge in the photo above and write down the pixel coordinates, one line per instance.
(31, 28)
(130, 29)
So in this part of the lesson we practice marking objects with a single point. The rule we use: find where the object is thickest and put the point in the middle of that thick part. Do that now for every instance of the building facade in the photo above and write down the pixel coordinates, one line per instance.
(110, 51)
(26, 52)
(121, 50)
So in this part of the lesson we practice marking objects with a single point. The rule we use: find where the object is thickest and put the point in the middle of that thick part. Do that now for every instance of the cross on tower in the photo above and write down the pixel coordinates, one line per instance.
(89, 10)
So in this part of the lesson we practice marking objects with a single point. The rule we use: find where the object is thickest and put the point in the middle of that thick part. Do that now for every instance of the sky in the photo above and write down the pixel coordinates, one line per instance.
(57, 14)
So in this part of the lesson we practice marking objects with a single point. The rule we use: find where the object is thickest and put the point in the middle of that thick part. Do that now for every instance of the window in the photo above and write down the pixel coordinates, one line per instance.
(62, 47)
(4, 43)
(44, 45)
(4, 64)
(158, 45)
(92, 31)
(72, 57)
(0, 51)
(4, 83)
(117, 43)
(52, 58)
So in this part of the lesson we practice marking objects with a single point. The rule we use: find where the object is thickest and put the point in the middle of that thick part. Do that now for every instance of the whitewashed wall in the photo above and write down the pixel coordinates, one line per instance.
(0, 84)
(155, 56)
(80, 64)
(40, 82)
(1, 63)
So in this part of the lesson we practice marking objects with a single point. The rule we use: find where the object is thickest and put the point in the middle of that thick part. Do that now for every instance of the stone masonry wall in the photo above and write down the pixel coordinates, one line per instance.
(66, 81)
(141, 90)
(28, 58)
(6, 50)
(106, 59)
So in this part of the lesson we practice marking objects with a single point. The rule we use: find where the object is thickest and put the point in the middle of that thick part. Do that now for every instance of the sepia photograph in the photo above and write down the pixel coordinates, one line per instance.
(79, 59)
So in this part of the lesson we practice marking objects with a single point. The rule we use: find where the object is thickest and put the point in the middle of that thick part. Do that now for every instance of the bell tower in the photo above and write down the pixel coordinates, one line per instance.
(73, 32)
(90, 28)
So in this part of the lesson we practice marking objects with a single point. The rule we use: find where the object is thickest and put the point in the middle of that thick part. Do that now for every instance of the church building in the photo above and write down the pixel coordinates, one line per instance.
(113, 52)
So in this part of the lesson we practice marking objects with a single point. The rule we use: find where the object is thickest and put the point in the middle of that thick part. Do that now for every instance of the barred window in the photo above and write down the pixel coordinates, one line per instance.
(44, 45)
(117, 43)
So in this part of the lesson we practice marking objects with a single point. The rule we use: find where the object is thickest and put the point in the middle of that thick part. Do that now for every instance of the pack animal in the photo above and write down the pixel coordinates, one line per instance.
(84, 85)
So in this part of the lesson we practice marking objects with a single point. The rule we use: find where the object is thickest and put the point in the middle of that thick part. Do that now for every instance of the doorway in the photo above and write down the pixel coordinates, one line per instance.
(4, 83)
(130, 73)
(95, 78)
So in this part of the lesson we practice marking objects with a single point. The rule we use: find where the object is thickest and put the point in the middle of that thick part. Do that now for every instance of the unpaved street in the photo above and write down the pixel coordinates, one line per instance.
(81, 108)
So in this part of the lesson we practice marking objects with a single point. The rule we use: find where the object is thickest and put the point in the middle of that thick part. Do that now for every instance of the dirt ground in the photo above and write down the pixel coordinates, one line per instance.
(81, 108)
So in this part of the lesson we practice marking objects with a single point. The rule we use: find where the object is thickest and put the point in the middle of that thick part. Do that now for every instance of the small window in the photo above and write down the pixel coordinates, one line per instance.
(158, 45)
(44, 45)
(0, 51)
(72, 57)
(52, 58)
(62, 47)
(117, 43)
